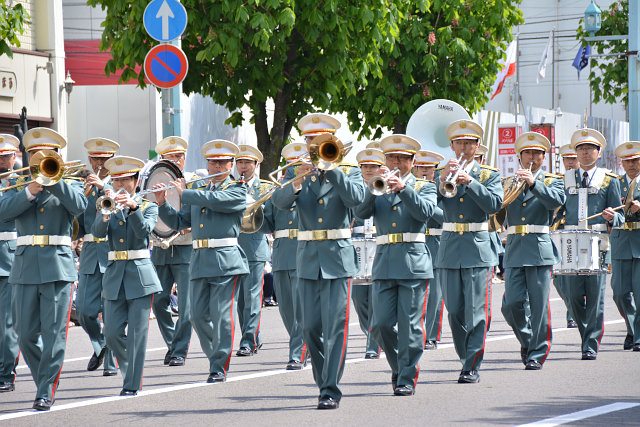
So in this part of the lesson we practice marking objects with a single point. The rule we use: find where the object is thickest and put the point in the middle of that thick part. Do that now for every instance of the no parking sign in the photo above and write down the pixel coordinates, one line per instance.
(166, 66)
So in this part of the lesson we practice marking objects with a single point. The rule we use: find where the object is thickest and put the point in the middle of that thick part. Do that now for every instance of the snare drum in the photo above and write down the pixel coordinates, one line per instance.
(366, 251)
(580, 252)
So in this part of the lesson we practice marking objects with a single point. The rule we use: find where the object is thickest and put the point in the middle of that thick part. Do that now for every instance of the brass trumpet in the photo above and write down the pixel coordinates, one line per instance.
(46, 168)
(107, 204)
(448, 188)
(512, 187)
(379, 185)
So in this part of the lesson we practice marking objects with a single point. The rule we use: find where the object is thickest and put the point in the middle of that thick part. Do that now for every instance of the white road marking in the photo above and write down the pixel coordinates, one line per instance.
(101, 400)
(581, 415)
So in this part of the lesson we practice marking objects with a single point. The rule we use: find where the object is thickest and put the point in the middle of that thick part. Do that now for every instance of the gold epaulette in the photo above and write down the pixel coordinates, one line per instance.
(72, 179)
(353, 165)
(490, 168)
(145, 204)
(20, 181)
(484, 174)
(346, 168)
(611, 174)
(553, 175)
(230, 183)
(419, 184)
(265, 185)
(440, 168)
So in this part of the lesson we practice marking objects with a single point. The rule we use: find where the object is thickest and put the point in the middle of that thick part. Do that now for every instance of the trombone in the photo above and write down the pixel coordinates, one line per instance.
(448, 188)
(326, 151)
(512, 187)
(46, 168)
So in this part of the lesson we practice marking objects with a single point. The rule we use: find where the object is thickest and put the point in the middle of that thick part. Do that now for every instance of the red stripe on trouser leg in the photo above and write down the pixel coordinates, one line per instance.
(486, 315)
(424, 332)
(304, 353)
(346, 323)
(226, 365)
(66, 334)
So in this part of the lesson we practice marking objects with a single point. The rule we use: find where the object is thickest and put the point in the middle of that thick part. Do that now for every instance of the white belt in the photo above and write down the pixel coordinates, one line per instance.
(43, 240)
(127, 255)
(527, 229)
(8, 235)
(289, 233)
(335, 234)
(433, 232)
(593, 227)
(394, 238)
(362, 230)
(465, 227)
(214, 243)
(92, 238)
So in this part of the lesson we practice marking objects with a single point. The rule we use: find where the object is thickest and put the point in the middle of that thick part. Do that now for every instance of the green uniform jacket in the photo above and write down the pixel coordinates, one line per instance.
(325, 206)
(129, 232)
(7, 247)
(534, 208)
(472, 204)
(212, 214)
(435, 221)
(403, 212)
(50, 213)
(608, 195)
(255, 245)
(284, 248)
(625, 244)
(93, 255)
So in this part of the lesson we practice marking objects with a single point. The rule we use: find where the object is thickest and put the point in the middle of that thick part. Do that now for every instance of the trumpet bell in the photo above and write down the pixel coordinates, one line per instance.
(106, 205)
(327, 151)
(378, 186)
(448, 189)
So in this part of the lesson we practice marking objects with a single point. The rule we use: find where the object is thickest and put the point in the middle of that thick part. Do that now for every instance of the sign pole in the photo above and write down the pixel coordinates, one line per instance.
(171, 109)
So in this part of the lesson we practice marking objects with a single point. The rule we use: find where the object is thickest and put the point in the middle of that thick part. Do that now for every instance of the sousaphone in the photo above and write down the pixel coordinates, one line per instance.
(428, 124)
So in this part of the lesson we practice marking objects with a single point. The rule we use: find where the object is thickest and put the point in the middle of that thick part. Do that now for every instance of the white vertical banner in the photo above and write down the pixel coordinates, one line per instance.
(507, 159)
(547, 54)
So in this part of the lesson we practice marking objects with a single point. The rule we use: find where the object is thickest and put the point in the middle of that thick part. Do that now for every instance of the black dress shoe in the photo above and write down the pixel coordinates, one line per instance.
(294, 365)
(469, 377)
(571, 324)
(430, 345)
(533, 365)
(628, 342)
(404, 390)
(42, 404)
(372, 356)
(394, 381)
(109, 372)
(636, 347)
(7, 387)
(167, 357)
(125, 392)
(270, 303)
(327, 402)
(244, 351)
(524, 352)
(176, 361)
(96, 361)
(217, 377)
(589, 355)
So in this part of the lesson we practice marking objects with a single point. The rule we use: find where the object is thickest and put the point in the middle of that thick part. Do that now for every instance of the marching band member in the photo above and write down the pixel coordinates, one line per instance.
(93, 258)
(283, 224)
(590, 190)
(215, 213)
(530, 254)
(130, 279)
(425, 167)
(256, 248)
(172, 265)
(402, 266)
(43, 270)
(326, 258)
(625, 248)
(570, 162)
(9, 351)
(466, 281)
(369, 161)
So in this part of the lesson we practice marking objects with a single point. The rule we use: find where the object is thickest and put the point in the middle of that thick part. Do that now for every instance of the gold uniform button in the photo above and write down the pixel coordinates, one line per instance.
(319, 219)
(393, 224)
(93, 193)
(42, 227)
(41, 209)
(204, 210)
(121, 240)
(524, 204)
(291, 209)
(320, 201)
(121, 223)
(461, 232)
(290, 222)
(201, 225)
(523, 218)
(461, 199)
(395, 208)
(461, 216)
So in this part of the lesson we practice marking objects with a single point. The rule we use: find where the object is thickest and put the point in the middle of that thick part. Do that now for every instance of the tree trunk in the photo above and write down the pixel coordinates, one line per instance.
(399, 126)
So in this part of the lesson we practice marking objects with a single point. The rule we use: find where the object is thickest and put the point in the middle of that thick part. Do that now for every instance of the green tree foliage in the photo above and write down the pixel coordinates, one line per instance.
(12, 21)
(446, 49)
(299, 54)
(609, 75)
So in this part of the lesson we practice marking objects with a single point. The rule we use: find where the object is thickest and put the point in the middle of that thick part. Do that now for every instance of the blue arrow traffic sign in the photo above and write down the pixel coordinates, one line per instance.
(165, 20)
(166, 66)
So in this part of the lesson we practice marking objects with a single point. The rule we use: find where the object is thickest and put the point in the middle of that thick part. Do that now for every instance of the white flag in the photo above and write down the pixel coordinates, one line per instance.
(546, 59)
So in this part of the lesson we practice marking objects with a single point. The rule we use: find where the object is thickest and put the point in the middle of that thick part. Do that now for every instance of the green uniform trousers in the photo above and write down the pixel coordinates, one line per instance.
(177, 336)
(290, 306)
(212, 312)
(625, 282)
(401, 302)
(467, 296)
(361, 297)
(130, 348)
(250, 305)
(560, 284)
(41, 322)
(325, 320)
(525, 307)
(586, 302)
(89, 304)
(9, 350)
(433, 316)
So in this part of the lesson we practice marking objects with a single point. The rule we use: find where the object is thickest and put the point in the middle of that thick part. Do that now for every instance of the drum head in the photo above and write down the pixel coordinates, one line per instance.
(162, 172)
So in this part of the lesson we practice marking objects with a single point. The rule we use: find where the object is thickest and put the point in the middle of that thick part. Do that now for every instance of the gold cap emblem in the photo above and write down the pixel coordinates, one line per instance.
(119, 162)
(463, 125)
(532, 137)
(1, 138)
(585, 132)
(218, 145)
(297, 148)
(397, 140)
(36, 134)
(98, 143)
(243, 149)
(368, 152)
(629, 146)
(315, 119)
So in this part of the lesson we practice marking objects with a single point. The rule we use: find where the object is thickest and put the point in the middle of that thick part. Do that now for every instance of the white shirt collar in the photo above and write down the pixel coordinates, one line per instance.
(590, 173)
(251, 181)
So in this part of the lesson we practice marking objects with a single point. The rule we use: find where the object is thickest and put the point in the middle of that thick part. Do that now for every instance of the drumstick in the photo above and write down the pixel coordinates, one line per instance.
(600, 214)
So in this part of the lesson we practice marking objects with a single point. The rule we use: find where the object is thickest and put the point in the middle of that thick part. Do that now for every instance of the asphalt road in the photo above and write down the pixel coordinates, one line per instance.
(260, 391)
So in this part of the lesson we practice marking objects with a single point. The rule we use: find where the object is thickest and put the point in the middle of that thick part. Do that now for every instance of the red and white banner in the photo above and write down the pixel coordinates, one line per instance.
(507, 68)
(507, 159)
